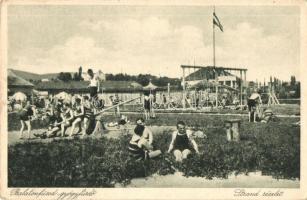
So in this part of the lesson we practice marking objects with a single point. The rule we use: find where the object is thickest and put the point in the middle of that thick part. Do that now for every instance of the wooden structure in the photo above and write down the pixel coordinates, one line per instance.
(272, 97)
(242, 72)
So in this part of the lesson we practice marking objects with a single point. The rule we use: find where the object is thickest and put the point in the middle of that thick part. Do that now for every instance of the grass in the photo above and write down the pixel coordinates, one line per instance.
(272, 148)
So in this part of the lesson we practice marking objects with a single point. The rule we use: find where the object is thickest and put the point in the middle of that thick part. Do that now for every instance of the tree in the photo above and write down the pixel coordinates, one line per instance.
(76, 77)
(293, 81)
(298, 90)
(65, 76)
(80, 73)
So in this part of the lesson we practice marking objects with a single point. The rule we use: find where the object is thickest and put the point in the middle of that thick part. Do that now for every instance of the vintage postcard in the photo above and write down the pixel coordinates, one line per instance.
(153, 99)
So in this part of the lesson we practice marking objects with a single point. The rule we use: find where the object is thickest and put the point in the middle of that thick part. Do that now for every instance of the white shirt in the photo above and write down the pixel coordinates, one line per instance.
(94, 82)
(254, 96)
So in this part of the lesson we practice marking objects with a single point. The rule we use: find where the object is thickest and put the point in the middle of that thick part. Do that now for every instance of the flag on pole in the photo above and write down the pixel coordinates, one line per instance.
(217, 22)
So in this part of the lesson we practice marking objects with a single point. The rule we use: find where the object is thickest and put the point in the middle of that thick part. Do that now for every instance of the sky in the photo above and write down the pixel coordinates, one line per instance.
(154, 39)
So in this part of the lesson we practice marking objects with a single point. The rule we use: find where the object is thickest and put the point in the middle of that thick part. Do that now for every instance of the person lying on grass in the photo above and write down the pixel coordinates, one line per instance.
(140, 145)
(182, 143)
(54, 125)
(122, 124)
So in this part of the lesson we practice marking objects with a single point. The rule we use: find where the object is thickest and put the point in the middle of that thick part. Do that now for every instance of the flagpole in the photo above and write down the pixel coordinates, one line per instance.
(215, 75)
(213, 30)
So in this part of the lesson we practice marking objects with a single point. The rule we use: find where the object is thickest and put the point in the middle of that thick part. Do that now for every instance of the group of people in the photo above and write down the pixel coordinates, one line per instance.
(141, 144)
(63, 114)
(60, 115)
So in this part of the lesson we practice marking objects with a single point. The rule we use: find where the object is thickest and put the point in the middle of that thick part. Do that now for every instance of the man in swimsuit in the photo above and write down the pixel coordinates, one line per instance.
(253, 105)
(147, 105)
(182, 143)
(25, 116)
(94, 83)
(140, 145)
(88, 113)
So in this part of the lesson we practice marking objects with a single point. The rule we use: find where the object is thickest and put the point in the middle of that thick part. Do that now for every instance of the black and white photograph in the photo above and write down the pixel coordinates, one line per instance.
(152, 95)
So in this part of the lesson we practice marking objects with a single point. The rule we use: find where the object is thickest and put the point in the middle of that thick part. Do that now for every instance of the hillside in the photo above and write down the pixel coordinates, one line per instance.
(26, 75)
(33, 76)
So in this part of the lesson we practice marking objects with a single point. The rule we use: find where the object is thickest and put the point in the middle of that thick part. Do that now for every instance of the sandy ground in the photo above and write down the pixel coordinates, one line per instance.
(178, 180)
(252, 180)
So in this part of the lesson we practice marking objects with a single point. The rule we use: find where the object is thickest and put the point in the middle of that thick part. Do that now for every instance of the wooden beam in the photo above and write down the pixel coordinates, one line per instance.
(211, 67)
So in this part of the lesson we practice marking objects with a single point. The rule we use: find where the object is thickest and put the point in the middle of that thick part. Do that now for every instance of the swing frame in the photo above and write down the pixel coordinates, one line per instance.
(243, 84)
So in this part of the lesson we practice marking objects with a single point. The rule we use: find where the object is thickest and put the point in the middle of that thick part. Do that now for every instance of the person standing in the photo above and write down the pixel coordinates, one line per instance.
(88, 114)
(94, 83)
(253, 103)
(25, 116)
(147, 106)
(182, 143)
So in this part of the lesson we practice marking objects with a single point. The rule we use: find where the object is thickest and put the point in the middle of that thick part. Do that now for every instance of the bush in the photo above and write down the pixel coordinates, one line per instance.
(78, 163)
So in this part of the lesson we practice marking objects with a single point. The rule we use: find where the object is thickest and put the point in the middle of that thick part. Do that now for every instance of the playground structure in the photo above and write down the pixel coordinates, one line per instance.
(214, 82)
(271, 93)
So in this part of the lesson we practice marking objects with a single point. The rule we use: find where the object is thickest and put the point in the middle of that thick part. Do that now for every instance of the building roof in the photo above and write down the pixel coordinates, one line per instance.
(16, 81)
(150, 86)
(207, 74)
(82, 86)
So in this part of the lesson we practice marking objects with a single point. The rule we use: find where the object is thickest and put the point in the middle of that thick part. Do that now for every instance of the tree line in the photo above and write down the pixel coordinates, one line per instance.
(142, 79)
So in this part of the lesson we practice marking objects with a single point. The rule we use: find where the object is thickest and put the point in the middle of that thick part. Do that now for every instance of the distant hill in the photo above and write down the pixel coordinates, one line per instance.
(33, 76)
(26, 75)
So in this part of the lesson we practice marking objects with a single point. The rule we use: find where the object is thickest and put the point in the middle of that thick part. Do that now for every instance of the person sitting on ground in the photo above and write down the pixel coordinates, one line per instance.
(78, 116)
(55, 121)
(253, 105)
(140, 145)
(68, 117)
(267, 115)
(100, 126)
(182, 143)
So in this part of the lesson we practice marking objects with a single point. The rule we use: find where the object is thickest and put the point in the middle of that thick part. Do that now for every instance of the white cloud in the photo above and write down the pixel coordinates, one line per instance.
(154, 45)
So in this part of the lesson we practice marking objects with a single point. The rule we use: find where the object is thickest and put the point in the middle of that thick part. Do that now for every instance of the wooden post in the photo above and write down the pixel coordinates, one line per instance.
(245, 85)
(168, 90)
(241, 88)
(232, 130)
(183, 87)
